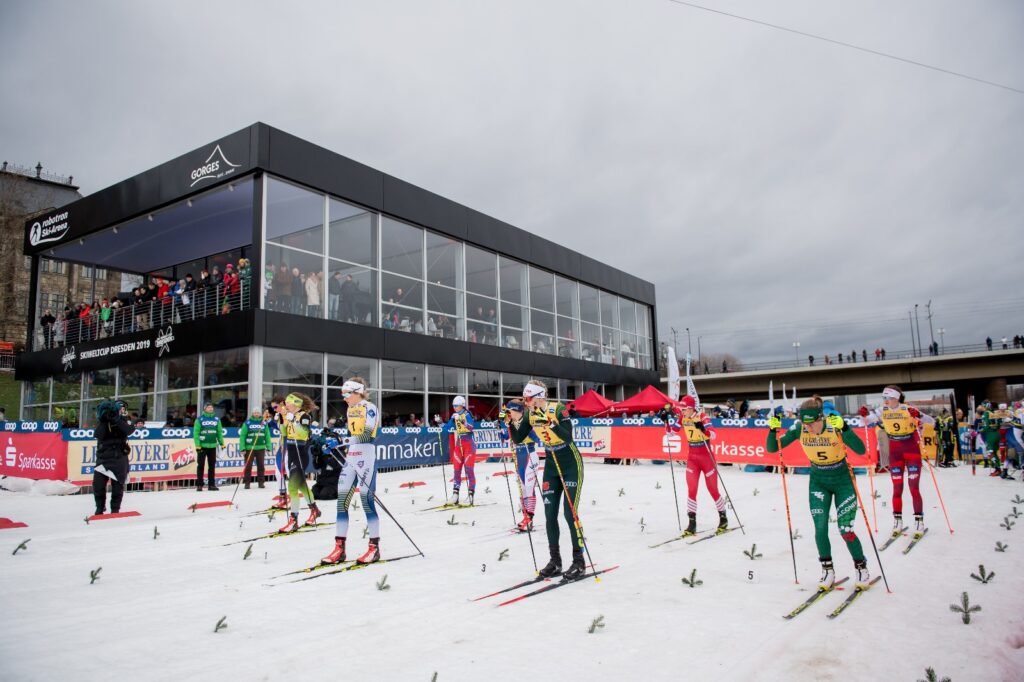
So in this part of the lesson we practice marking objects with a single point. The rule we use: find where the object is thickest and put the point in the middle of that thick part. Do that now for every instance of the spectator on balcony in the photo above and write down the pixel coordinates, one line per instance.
(84, 322)
(244, 281)
(106, 323)
(47, 321)
(349, 288)
(268, 286)
(229, 289)
(298, 293)
(1005, 347)
(283, 287)
(203, 293)
(313, 295)
(883, 354)
(334, 295)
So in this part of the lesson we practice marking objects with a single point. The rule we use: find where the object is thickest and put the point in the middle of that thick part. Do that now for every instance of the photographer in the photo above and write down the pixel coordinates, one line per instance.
(112, 431)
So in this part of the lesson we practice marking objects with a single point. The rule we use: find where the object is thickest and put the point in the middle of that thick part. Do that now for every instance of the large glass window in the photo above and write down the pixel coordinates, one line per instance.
(100, 384)
(401, 376)
(176, 408)
(182, 372)
(402, 388)
(512, 384)
(609, 310)
(289, 292)
(567, 297)
(627, 315)
(37, 392)
(230, 403)
(226, 366)
(513, 327)
(401, 249)
(568, 337)
(355, 287)
(451, 380)
(482, 382)
(643, 320)
(353, 234)
(283, 366)
(514, 282)
(542, 328)
(590, 304)
(481, 272)
(542, 289)
(67, 387)
(481, 319)
(402, 303)
(590, 336)
(444, 260)
(295, 216)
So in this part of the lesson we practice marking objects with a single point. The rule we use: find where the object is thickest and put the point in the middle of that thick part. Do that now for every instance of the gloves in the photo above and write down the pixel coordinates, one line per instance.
(503, 414)
(914, 412)
(538, 418)
(774, 423)
(836, 422)
(699, 425)
(331, 443)
(863, 410)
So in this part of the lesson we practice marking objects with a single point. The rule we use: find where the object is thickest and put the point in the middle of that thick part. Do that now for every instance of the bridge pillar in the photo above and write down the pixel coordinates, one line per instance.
(995, 390)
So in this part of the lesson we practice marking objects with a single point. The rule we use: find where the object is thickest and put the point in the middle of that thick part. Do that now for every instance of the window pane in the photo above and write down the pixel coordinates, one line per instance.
(353, 234)
(516, 339)
(481, 272)
(396, 407)
(482, 382)
(628, 348)
(643, 322)
(542, 326)
(512, 384)
(182, 372)
(627, 315)
(402, 304)
(609, 310)
(566, 293)
(295, 216)
(37, 392)
(401, 248)
(37, 414)
(542, 289)
(289, 291)
(140, 406)
(401, 376)
(447, 380)
(590, 307)
(178, 407)
(511, 316)
(611, 347)
(352, 293)
(67, 387)
(481, 319)
(444, 260)
(442, 300)
(568, 333)
(100, 384)
(442, 325)
(340, 368)
(287, 366)
(226, 366)
(513, 280)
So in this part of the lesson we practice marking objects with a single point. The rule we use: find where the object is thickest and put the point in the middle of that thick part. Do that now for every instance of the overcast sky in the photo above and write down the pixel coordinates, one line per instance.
(773, 187)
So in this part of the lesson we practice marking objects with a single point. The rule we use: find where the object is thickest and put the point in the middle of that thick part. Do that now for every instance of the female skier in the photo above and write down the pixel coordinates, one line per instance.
(825, 447)
(700, 460)
(526, 463)
(900, 424)
(280, 467)
(297, 421)
(549, 419)
(463, 450)
(360, 469)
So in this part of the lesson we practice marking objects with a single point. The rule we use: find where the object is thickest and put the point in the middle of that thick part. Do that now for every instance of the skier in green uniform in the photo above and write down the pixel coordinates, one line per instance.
(824, 443)
(549, 420)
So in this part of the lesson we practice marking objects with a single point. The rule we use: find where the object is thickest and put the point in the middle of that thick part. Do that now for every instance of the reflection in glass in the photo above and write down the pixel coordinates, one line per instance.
(590, 305)
(566, 293)
(401, 248)
(401, 376)
(446, 380)
(481, 272)
(514, 283)
(481, 319)
(288, 366)
(609, 310)
(627, 315)
(353, 234)
(296, 287)
(444, 260)
(351, 293)
(137, 377)
(343, 367)
(182, 372)
(542, 289)
(401, 303)
(295, 216)
(482, 382)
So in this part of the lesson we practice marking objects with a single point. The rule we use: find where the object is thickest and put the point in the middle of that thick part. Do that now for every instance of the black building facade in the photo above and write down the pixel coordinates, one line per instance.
(351, 272)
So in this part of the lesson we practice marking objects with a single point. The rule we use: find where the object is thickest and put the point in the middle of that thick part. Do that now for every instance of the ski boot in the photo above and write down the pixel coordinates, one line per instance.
(577, 568)
(337, 555)
(469, 500)
(100, 511)
(723, 523)
(282, 501)
(691, 527)
(918, 525)
(526, 525)
(455, 497)
(212, 486)
(863, 576)
(372, 552)
(554, 566)
(291, 526)
(897, 525)
(314, 514)
(828, 575)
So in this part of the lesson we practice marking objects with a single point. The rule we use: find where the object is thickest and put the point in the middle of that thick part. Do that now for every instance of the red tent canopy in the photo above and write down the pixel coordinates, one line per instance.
(649, 399)
(591, 404)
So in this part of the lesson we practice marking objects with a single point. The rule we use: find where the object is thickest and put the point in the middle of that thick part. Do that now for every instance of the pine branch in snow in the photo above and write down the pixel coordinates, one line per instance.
(382, 584)
(366, 531)
(1007, 523)
(1017, 499)
(156, 533)
(756, 491)
(981, 576)
(248, 552)
(752, 553)
(622, 491)
(1000, 547)
(796, 534)
(487, 489)
(931, 676)
(657, 485)
(221, 624)
(452, 521)
(94, 575)
(693, 581)
(23, 545)
(503, 555)
(1016, 514)
(595, 624)
(965, 609)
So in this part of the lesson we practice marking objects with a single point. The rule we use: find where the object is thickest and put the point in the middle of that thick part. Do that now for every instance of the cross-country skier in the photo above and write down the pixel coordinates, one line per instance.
(360, 469)
(463, 450)
(824, 442)
(900, 423)
(696, 426)
(1013, 421)
(549, 419)
(297, 422)
(282, 501)
(526, 462)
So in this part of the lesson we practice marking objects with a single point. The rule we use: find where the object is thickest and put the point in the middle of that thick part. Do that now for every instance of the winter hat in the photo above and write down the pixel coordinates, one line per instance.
(688, 401)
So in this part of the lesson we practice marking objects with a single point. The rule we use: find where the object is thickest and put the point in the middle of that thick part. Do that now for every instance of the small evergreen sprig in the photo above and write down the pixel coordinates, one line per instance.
(23, 545)
(1015, 514)
(752, 553)
(796, 534)
(487, 489)
(981, 576)
(366, 531)
(1017, 499)
(503, 555)
(248, 552)
(595, 624)
(657, 485)
(965, 609)
(382, 584)
(876, 495)
(156, 533)
(1007, 523)
(452, 521)
(1000, 547)
(693, 580)
(221, 624)
(756, 491)
(94, 575)
(931, 676)
(622, 491)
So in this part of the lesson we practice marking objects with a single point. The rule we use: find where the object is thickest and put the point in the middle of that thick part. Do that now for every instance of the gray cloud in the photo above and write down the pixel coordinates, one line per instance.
(756, 177)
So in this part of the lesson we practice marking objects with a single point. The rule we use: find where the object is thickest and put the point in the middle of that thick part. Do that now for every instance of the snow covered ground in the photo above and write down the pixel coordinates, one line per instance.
(151, 613)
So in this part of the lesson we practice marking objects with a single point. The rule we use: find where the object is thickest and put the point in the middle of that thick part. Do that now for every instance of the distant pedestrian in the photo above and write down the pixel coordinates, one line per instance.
(840, 356)
(864, 354)
(988, 342)
(878, 354)
(883, 354)
(853, 356)
(1004, 343)
(810, 360)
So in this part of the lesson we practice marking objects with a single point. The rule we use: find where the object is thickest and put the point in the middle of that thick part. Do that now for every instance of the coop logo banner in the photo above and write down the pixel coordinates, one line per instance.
(51, 229)
(215, 167)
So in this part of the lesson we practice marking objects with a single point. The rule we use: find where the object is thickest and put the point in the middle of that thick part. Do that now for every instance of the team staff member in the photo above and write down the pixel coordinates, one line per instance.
(825, 447)
(208, 434)
(549, 419)
(254, 441)
(112, 451)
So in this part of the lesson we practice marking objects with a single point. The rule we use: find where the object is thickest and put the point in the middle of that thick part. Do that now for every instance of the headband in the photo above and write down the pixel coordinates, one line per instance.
(809, 415)
(891, 393)
(352, 387)
(293, 399)
(533, 391)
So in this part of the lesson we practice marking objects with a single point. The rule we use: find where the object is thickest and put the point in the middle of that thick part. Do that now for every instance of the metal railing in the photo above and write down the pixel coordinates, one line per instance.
(194, 305)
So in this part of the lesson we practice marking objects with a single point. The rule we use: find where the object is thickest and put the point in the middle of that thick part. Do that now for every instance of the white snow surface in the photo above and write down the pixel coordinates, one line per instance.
(151, 613)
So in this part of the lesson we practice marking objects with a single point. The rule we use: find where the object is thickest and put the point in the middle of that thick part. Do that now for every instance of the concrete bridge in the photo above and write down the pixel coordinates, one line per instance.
(983, 374)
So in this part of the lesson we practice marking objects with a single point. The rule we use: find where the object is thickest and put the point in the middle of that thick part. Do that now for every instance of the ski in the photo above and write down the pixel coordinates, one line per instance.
(853, 597)
(312, 569)
(269, 510)
(454, 507)
(892, 538)
(716, 534)
(915, 541)
(531, 581)
(675, 539)
(279, 534)
(350, 567)
(814, 598)
(552, 586)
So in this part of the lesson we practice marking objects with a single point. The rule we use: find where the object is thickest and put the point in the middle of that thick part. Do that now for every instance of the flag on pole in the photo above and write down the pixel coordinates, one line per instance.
(691, 390)
(673, 374)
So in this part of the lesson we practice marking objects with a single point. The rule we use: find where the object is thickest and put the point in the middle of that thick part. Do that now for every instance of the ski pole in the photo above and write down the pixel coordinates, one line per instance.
(789, 521)
(931, 470)
(572, 507)
(444, 475)
(871, 475)
(728, 497)
(522, 497)
(508, 486)
(672, 468)
(244, 466)
(860, 502)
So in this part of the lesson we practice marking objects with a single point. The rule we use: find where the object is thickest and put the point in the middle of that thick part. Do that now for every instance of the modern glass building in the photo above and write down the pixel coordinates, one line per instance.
(351, 272)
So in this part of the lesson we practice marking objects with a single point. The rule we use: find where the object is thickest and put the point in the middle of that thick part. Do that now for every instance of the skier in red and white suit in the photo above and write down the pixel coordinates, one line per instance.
(696, 426)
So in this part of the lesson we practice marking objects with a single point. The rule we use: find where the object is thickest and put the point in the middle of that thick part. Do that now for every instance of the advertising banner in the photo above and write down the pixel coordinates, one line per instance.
(39, 456)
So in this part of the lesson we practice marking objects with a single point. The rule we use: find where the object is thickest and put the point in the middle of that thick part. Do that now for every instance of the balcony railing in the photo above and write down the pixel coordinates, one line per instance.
(194, 305)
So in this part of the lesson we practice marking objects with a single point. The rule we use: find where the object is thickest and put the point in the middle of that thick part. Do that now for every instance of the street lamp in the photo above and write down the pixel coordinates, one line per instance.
(941, 331)
(796, 351)
(689, 350)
